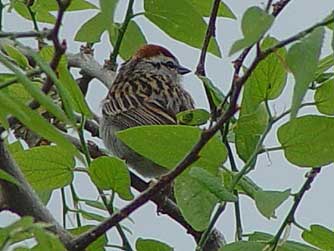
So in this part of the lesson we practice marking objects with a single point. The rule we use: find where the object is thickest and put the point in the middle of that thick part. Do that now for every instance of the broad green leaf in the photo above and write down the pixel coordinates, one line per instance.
(250, 127)
(171, 144)
(268, 201)
(47, 240)
(302, 60)
(265, 83)
(193, 117)
(15, 147)
(13, 230)
(111, 173)
(245, 185)
(133, 39)
(320, 237)
(244, 245)
(45, 195)
(254, 24)
(41, 12)
(18, 57)
(165, 138)
(216, 94)
(151, 245)
(324, 64)
(97, 245)
(195, 201)
(286, 246)
(35, 92)
(324, 97)
(308, 140)
(46, 167)
(42, 9)
(204, 8)
(7, 177)
(31, 119)
(179, 22)
(269, 77)
(212, 183)
(92, 30)
(66, 79)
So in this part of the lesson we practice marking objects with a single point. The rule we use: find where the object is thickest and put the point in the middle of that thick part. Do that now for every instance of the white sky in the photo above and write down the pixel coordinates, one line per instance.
(271, 174)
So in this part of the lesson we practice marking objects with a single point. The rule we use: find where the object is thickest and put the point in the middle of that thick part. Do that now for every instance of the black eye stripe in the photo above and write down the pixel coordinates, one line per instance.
(169, 64)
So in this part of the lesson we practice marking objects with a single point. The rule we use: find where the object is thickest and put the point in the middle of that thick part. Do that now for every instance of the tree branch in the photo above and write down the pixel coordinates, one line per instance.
(298, 197)
(23, 200)
(85, 239)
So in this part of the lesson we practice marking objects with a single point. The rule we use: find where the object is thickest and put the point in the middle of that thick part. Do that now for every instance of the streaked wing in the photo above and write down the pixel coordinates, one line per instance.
(145, 102)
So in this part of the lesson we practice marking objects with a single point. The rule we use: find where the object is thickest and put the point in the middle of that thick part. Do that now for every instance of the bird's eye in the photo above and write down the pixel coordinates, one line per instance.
(170, 64)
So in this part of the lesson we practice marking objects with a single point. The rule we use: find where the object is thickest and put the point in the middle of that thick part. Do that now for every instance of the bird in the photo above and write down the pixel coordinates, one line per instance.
(147, 90)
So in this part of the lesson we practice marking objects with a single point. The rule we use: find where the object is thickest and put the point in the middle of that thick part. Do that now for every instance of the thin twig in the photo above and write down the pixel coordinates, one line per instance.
(85, 239)
(298, 197)
(14, 35)
(121, 33)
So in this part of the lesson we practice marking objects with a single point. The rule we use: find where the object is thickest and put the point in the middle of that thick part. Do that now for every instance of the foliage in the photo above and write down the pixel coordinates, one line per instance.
(217, 175)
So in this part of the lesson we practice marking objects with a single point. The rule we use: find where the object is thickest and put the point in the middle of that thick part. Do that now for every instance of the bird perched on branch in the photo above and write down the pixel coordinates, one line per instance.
(146, 91)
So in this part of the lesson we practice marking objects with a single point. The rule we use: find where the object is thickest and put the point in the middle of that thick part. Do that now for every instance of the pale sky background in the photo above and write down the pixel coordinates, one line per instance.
(271, 174)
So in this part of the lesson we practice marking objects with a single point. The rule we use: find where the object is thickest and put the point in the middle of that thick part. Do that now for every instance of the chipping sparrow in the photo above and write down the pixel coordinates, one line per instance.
(146, 91)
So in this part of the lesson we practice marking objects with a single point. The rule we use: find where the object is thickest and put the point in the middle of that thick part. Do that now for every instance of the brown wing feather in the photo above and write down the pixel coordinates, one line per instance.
(145, 101)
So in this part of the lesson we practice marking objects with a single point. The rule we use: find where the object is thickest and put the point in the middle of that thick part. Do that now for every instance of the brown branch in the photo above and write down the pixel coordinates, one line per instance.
(298, 198)
(210, 32)
(25, 34)
(85, 239)
(23, 200)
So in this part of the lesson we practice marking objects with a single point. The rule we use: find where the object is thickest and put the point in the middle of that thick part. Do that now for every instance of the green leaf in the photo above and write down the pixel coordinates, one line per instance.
(308, 141)
(268, 201)
(216, 94)
(324, 64)
(133, 39)
(111, 173)
(195, 201)
(7, 177)
(97, 245)
(320, 237)
(41, 12)
(47, 240)
(91, 216)
(15, 147)
(287, 245)
(324, 97)
(250, 127)
(204, 8)
(164, 138)
(46, 167)
(244, 245)
(34, 121)
(212, 183)
(303, 59)
(18, 57)
(254, 24)
(92, 30)
(179, 22)
(73, 93)
(35, 92)
(151, 245)
(95, 204)
(194, 117)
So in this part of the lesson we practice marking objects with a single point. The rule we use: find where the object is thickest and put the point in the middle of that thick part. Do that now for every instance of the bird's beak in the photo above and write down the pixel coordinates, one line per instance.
(182, 70)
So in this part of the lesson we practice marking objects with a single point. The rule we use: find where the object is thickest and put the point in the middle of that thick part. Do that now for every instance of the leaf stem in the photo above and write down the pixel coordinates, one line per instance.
(65, 207)
(75, 199)
(298, 197)
(121, 33)
(206, 234)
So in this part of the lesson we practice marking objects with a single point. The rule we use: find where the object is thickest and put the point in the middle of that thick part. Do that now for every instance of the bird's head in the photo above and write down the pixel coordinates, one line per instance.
(157, 59)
